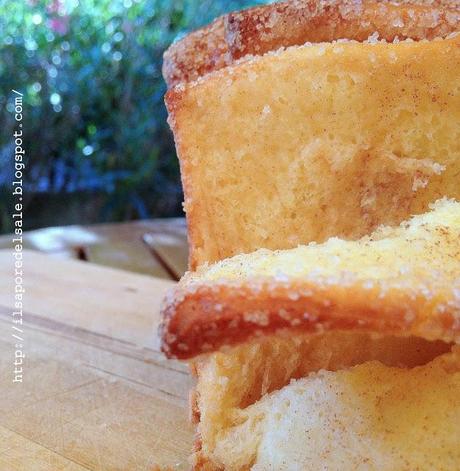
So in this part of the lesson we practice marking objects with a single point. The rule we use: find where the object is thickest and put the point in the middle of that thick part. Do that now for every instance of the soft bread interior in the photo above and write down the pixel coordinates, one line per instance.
(366, 418)
(361, 411)
(337, 139)
(414, 249)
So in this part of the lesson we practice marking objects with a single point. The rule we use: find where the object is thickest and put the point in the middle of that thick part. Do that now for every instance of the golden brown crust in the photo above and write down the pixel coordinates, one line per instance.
(194, 237)
(263, 29)
(397, 281)
(193, 407)
(258, 30)
(213, 316)
(200, 462)
(198, 53)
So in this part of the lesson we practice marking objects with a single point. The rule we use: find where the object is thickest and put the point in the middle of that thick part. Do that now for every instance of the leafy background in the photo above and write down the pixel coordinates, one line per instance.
(97, 142)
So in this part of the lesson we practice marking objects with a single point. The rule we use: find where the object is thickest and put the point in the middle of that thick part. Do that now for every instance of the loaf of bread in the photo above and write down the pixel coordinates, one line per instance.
(319, 145)
(311, 141)
(380, 314)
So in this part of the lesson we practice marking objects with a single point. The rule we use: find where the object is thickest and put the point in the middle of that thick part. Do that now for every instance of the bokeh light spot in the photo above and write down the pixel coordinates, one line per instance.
(37, 19)
(55, 98)
(87, 150)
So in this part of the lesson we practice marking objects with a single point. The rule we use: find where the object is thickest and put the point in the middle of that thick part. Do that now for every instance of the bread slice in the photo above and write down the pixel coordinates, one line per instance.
(266, 28)
(403, 280)
(371, 416)
(316, 141)
(381, 313)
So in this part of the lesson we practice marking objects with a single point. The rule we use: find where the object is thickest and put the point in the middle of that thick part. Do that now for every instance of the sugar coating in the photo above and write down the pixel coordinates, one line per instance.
(402, 279)
(259, 30)
(429, 237)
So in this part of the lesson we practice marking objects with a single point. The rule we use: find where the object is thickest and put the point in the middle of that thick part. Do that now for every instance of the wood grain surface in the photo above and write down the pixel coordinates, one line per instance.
(96, 393)
(156, 247)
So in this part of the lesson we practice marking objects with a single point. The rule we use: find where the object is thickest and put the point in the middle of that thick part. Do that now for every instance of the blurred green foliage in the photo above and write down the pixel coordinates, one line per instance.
(98, 146)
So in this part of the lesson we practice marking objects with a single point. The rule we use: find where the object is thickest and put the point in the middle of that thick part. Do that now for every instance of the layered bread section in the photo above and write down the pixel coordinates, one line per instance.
(319, 145)
(231, 383)
(316, 141)
(365, 417)
(396, 281)
(338, 355)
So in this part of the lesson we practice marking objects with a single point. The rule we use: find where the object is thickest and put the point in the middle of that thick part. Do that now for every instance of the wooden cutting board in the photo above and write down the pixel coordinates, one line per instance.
(97, 394)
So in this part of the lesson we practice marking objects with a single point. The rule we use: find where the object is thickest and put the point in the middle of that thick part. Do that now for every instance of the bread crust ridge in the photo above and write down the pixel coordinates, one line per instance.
(258, 30)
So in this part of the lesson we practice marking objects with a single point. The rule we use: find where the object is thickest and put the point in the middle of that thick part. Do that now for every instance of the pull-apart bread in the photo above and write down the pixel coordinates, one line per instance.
(319, 144)
(340, 355)
(339, 111)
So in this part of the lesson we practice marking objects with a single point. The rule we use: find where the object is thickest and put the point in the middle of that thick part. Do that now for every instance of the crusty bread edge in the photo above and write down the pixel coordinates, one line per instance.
(261, 29)
(173, 101)
(266, 28)
(198, 53)
(201, 319)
